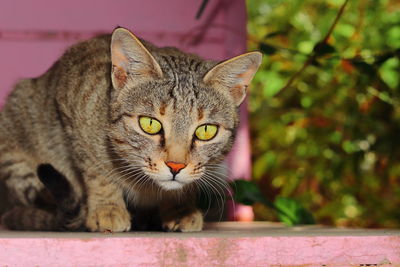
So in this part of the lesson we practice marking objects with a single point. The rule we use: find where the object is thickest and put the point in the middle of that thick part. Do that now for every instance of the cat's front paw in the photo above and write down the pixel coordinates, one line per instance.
(109, 218)
(189, 223)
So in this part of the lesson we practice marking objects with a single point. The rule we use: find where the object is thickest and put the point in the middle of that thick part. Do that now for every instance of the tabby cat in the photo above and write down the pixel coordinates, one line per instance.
(120, 124)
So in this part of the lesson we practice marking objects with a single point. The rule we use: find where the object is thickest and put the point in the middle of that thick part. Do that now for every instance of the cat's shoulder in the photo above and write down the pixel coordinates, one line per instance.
(94, 49)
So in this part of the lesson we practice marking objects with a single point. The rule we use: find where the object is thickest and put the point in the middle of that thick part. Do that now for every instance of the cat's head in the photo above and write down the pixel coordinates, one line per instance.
(174, 115)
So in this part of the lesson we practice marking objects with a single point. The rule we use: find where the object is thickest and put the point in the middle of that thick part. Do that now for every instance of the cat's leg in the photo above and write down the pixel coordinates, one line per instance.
(18, 171)
(181, 216)
(106, 206)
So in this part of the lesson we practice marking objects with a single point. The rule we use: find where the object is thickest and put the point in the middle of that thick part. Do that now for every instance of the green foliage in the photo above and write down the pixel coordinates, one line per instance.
(292, 212)
(325, 113)
(288, 210)
(248, 193)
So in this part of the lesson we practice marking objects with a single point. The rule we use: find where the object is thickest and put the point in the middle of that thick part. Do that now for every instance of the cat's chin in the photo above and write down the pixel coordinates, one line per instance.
(170, 185)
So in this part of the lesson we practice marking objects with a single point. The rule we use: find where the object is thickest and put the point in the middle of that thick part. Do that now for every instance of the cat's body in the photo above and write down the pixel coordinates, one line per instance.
(82, 117)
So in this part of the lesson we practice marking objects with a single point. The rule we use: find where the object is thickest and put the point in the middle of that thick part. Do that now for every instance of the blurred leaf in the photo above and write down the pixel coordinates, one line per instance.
(347, 30)
(273, 34)
(305, 47)
(364, 67)
(314, 62)
(306, 101)
(291, 212)
(393, 35)
(380, 59)
(262, 164)
(267, 49)
(273, 84)
(390, 72)
(347, 66)
(353, 82)
(322, 49)
(247, 192)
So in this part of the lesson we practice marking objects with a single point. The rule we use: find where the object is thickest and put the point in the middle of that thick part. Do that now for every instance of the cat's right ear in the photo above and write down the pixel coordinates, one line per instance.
(131, 60)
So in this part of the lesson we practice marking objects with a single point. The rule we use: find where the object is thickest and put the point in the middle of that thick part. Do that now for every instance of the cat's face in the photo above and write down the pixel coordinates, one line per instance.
(172, 138)
(174, 117)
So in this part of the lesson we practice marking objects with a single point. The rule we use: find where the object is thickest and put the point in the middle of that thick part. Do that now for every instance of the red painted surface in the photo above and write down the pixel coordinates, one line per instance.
(255, 244)
(33, 34)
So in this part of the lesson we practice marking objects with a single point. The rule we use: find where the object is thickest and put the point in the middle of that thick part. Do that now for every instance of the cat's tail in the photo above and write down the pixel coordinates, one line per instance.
(70, 212)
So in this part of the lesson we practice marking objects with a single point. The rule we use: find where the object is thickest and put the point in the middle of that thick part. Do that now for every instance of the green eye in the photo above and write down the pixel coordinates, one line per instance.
(150, 125)
(206, 132)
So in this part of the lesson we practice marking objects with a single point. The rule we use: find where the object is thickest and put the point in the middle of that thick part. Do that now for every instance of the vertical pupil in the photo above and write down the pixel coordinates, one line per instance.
(205, 128)
(151, 122)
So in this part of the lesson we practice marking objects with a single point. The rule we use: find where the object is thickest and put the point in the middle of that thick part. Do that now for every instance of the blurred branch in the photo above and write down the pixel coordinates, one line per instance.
(340, 13)
(201, 9)
(317, 49)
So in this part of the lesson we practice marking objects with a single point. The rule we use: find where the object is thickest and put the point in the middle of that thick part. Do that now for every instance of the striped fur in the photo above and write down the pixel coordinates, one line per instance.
(61, 211)
(81, 116)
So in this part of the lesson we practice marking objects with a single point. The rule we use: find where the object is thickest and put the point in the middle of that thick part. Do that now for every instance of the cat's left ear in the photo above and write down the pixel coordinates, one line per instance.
(234, 75)
(130, 57)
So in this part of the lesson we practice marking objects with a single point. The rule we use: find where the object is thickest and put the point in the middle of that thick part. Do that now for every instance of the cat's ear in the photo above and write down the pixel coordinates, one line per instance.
(234, 75)
(130, 57)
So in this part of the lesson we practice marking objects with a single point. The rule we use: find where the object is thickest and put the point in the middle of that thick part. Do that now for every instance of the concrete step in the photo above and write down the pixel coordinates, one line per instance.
(220, 244)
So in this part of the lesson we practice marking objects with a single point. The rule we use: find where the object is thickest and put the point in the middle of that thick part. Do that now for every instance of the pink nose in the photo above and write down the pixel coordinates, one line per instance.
(175, 167)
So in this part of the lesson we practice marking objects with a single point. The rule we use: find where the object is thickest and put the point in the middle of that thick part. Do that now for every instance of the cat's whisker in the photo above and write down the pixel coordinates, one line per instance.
(129, 176)
(142, 180)
(222, 188)
(120, 173)
(218, 179)
(135, 185)
(101, 164)
(216, 189)
(127, 194)
(217, 166)
(209, 193)
(222, 185)
(130, 168)
(110, 160)
(217, 172)
(132, 187)
(227, 188)
(129, 173)
(130, 152)
(158, 193)
(200, 186)
(117, 170)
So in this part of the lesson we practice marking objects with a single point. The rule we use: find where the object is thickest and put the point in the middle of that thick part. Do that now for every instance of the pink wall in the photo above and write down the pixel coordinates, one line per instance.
(35, 33)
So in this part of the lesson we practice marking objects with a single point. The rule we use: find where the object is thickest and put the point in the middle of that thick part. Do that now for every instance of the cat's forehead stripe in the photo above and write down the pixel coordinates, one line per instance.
(162, 108)
(200, 112)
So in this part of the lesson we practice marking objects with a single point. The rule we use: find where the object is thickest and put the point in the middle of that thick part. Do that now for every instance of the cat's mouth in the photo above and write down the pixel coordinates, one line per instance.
(171, 184)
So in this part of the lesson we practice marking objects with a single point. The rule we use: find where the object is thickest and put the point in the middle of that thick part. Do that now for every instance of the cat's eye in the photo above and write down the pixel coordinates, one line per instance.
(206, 132)
(150, 125)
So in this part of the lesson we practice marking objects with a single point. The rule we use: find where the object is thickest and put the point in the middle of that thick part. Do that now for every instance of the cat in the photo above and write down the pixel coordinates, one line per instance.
(120, 124)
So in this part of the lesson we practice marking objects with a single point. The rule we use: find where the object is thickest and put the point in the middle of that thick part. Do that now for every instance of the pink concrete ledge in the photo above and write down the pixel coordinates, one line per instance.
(223, 244)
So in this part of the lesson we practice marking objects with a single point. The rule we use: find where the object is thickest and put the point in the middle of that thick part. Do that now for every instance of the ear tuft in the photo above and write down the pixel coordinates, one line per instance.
(130, 57)
(234, 75)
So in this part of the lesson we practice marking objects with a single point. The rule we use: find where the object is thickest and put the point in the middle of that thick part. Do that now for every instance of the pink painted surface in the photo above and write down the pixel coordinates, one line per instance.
(223, 245)
(33, 34)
